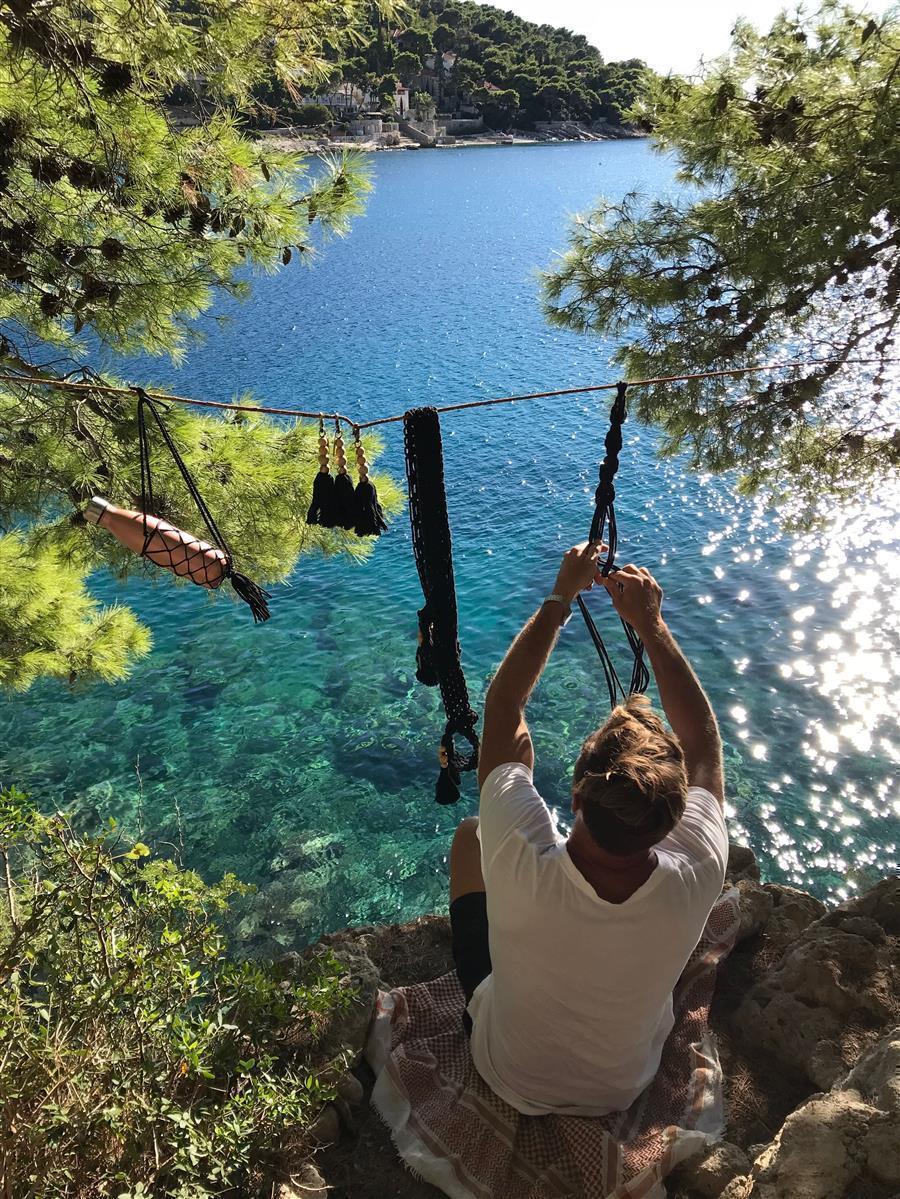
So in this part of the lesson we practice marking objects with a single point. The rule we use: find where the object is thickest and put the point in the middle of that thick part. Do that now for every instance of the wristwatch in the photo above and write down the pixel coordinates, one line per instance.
(555, 598)
(93, 513)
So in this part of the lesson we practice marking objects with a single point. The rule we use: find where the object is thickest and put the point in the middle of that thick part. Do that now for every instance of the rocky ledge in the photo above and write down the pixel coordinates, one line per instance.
(807, 1015)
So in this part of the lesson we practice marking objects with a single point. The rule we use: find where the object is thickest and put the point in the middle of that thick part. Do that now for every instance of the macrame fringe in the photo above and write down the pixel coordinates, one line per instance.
(322, 507)
(344, 501)
(426, 670)
(252, 594)
(344, 504)
(446, 789)
(369, 520)
(321, 510)
(438, 653)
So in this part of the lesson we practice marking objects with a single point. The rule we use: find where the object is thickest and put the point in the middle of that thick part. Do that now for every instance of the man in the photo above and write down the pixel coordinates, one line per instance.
(568, 948)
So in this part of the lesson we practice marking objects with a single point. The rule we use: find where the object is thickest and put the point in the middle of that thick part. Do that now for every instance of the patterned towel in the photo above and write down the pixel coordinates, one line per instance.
(454, 1132)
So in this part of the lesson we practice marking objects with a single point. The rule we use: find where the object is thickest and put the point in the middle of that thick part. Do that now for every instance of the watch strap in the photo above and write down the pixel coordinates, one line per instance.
(93, 513)
(556, 598)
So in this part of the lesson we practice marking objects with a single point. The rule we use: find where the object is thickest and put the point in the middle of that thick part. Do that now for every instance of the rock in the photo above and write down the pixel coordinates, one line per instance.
(862, 926)
(816, 1154)
(824, 1001)
(880, 903)
(347, 1030)
(403, 953)
(706, 1176)
(757, 905)
(326, 1128)
(307, 1183)
(882, 1149)
(350, 1089)
(826, 970)
(792, 912)
(738, 1188)
(876, 1076)
(742, 863)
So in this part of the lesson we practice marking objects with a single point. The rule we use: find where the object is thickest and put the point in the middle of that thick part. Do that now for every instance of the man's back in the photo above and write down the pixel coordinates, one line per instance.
(577, 1008)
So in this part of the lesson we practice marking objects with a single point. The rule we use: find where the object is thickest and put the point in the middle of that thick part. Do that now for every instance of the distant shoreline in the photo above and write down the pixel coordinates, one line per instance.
(312, 145)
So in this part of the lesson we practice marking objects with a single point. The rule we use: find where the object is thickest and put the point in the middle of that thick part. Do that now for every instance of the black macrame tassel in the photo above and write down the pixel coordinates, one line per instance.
(321, 509)
(369, 520)
(251, 593)
(446, 789)
(438, 653)
(426, 671)
(344, 505)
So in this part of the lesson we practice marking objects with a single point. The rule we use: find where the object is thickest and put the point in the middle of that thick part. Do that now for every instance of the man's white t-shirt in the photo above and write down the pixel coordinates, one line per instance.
(574, 1015)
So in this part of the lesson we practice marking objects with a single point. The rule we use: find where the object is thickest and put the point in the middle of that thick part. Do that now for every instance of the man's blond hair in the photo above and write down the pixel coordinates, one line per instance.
(630, 779)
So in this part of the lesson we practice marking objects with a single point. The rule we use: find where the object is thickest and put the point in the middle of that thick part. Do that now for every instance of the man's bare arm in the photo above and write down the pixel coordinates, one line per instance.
(506, 737)
(637, 597)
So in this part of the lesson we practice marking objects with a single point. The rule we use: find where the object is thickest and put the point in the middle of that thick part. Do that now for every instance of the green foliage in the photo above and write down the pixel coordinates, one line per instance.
(117, 228)
(783, 243)
(50, 625)
(136, 1057)
(556, 73)
(423, 104)
(498, 106)
(254, 473)
(313, 114)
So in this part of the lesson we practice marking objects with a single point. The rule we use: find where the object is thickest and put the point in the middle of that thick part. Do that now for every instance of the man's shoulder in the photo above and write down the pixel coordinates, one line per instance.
(511, 807)
(701, 835)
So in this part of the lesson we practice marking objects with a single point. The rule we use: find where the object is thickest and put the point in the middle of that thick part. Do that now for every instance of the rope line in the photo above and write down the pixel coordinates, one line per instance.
(604, 522)
(109, 389)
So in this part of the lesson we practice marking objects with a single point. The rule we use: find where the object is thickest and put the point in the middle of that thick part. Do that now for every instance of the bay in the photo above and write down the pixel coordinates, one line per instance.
(302, 754)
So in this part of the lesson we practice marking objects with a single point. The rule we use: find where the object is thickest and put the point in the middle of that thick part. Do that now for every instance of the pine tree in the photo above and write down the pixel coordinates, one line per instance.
(118, 226)
(783, 242)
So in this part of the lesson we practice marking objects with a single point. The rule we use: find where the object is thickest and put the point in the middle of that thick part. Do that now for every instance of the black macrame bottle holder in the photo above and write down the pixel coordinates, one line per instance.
(438, 654)
(251, 593)
(604, 523)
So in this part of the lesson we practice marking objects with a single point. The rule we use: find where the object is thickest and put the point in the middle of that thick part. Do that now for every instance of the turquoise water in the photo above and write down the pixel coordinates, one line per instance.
(301, 754)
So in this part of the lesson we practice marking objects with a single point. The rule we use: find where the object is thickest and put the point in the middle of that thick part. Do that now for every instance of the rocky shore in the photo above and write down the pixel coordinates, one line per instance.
(807, 1016)
(299, 141)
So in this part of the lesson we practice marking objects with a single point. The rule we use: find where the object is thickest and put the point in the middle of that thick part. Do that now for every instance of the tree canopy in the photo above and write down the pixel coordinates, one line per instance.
(117, 228)
(783, 242)
(554, 73)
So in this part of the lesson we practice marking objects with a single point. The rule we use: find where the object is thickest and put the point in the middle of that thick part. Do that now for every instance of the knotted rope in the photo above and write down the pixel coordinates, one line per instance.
(438, 655)
(251, 593)
(604, 522)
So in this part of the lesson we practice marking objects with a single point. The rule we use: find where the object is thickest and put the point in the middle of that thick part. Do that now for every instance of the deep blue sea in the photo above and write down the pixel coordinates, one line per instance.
(301, 754)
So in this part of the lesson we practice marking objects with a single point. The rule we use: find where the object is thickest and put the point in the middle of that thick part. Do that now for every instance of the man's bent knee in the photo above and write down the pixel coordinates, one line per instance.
(465, 859)
(466, 830)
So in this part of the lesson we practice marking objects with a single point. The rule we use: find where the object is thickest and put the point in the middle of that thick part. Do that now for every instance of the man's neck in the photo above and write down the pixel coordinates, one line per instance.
(593, 859)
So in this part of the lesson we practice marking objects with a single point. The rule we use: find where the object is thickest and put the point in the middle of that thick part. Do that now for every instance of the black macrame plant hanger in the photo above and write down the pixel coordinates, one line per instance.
(438, 654)
(604, 522)
(251, 593)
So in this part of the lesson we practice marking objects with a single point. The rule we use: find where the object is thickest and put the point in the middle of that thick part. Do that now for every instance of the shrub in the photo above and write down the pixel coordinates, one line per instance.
(136, 1057)
(313, 114)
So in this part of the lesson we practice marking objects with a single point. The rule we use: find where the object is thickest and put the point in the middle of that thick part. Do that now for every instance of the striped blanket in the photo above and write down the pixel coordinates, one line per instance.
(454, 1132)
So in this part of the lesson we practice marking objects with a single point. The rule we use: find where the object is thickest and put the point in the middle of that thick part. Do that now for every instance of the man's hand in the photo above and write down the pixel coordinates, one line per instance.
(579, 570)
(637, 597)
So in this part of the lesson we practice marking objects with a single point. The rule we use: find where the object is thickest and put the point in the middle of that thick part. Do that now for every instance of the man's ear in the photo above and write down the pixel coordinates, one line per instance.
(576, 804)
